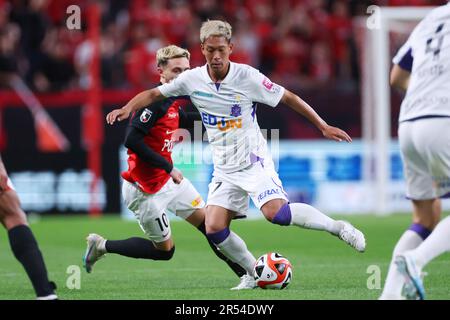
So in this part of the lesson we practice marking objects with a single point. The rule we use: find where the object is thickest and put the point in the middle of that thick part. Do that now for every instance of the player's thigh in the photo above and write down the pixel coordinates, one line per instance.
(419, 183)
(197, 217)
(11, 214)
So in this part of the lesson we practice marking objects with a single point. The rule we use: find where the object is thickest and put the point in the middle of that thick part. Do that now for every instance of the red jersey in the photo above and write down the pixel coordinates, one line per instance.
(157, 122)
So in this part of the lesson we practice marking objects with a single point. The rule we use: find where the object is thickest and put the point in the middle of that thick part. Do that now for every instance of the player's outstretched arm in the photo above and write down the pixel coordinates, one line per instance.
(300, 106)
(139, 101)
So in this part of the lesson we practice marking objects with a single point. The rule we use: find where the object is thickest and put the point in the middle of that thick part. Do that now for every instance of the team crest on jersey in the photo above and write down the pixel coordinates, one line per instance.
(236, 110)
(145, 116)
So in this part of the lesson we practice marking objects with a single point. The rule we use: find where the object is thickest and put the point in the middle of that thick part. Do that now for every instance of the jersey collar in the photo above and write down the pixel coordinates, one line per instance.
(224, 81)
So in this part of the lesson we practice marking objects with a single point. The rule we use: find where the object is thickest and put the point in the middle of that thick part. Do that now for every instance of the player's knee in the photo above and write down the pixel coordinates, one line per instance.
(166, 255)
(427, 222)
(219, 236)
(11, 214)
(214, 226)
(278, 213)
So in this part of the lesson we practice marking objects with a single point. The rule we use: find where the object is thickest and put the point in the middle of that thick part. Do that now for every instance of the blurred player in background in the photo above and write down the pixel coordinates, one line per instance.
(21, 238)
(152, 185)
(422, 69)
(226, 94)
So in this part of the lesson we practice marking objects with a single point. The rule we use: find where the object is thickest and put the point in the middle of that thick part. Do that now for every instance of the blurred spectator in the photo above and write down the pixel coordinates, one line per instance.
(9, 43)
(298, 41)
(302, 44)
(55, 70)
(32, 18)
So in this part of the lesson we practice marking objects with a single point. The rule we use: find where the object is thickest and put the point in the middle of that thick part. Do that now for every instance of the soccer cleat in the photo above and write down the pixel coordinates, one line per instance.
(247, 282)
(94, 251)
(49, 297)
(413, 289)
(352, 236)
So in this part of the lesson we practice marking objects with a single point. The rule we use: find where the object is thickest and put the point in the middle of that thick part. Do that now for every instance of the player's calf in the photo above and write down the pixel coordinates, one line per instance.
(26, 250)
(134, 247)
(11, 214)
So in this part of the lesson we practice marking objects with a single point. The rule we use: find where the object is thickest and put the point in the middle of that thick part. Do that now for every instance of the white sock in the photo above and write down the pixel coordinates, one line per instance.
(436, 244)
(394, 280)
(308, 217)
(234, 248)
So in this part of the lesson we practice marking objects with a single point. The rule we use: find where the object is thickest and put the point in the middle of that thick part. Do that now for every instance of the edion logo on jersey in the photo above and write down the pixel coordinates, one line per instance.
(145, 115)
(220, 122)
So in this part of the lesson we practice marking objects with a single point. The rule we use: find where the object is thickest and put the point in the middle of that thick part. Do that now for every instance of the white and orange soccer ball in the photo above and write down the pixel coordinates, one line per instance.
(272, 271)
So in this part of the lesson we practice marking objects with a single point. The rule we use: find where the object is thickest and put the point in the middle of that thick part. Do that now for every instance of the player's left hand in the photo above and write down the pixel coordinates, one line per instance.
(176, 175)
(117, 114)
(335, 134)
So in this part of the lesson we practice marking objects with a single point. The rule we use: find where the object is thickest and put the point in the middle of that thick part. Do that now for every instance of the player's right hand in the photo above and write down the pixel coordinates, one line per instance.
(176, 175)
(335, 134)
(117, 114)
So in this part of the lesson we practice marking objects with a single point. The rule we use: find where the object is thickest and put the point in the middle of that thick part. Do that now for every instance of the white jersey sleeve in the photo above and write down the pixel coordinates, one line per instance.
(177, 87)
(262, 90)
(427, 54)
(405, 55)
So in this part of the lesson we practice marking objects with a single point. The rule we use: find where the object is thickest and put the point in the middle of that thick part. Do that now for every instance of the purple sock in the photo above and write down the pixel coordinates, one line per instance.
(283, 216)
(420, 230)
(219, 237)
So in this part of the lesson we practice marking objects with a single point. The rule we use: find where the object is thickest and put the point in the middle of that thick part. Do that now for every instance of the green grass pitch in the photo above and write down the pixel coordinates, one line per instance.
(323, 266)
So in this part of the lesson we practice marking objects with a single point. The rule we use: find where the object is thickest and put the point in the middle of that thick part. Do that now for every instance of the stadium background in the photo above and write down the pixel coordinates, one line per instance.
(308, 46)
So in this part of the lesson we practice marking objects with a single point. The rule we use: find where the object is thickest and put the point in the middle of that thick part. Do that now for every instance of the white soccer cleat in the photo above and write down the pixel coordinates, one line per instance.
(247, 282)
(49, 297)
(352, 236)
(413, 289)
(95, 251)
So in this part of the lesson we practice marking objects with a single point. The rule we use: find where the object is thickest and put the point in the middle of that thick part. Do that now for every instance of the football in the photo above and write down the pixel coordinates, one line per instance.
(272, 271)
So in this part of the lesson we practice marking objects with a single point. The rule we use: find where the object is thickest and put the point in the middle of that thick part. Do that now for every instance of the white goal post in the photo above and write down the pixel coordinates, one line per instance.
(376, 108)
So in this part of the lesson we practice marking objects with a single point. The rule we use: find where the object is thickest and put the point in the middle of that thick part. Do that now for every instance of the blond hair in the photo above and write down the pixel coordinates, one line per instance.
(215, 28)
(165, 54)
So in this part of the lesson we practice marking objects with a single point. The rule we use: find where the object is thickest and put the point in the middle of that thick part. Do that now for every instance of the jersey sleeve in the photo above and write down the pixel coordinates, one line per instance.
(262, 90)
(177, 87)
(405, 55)
(145, 119)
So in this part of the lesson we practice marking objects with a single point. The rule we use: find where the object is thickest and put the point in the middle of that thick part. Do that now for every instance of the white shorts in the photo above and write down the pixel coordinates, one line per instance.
(425, 150)
(232, 190)
(151, 209)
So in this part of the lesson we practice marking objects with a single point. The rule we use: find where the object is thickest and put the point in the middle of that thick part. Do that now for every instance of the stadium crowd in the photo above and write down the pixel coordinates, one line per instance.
(307, 44)
(294, 41)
